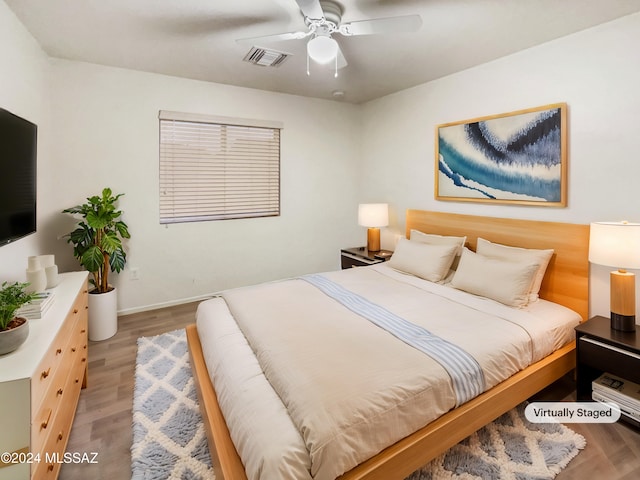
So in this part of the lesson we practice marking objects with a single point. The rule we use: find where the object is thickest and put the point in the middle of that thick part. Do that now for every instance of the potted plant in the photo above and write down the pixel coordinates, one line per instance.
(97, 244)
(13, 330)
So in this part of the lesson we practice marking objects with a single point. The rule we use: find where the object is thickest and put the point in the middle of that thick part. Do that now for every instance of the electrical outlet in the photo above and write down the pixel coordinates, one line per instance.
(134, 274)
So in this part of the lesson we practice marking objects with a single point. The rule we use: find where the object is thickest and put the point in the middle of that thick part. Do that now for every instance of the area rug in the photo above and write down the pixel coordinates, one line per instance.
(169, 439)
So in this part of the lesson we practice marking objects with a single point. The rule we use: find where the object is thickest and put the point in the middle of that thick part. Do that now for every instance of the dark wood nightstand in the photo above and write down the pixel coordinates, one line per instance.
(601, 349)
(361, 257)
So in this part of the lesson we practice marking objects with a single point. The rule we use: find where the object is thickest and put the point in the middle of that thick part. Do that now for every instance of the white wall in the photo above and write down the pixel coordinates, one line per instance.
(596, 72)
(105, 121)
(98, 127)
(24, 92)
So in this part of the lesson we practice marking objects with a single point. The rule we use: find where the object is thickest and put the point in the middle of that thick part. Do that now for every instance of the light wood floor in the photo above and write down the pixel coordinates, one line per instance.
(103, 421)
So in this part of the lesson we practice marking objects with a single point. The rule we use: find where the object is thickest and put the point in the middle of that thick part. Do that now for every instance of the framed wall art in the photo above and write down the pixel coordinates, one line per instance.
(518, 158)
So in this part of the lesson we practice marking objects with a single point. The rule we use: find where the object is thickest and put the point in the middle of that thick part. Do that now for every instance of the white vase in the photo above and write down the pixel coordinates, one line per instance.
(51, 273)
(103, 315)
(47, 260)
(37, 280)
(33, 263)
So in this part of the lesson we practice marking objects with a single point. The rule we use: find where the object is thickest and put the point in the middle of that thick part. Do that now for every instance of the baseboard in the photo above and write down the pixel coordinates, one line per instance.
(156, 306)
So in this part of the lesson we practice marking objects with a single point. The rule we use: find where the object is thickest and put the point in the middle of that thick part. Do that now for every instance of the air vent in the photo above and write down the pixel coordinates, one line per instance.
(265, 58)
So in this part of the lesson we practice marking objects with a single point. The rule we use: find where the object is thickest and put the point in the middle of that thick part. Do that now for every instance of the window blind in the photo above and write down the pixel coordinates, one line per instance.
(215, 168)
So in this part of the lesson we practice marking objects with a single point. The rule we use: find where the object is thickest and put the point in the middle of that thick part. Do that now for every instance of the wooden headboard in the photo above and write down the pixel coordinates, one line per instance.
(567, 277)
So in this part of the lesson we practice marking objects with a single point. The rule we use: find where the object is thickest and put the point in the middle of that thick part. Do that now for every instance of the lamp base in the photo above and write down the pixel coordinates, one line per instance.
(623, 301)
(623, 323)
(373, 239)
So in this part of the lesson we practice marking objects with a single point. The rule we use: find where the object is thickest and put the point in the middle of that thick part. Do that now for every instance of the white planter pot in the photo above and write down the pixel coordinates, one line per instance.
(103, 315)
(10, 340)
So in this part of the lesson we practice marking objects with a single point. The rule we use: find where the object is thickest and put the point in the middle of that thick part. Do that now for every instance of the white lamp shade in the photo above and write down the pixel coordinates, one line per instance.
(615, 244)
(322, 49)
(373, 214)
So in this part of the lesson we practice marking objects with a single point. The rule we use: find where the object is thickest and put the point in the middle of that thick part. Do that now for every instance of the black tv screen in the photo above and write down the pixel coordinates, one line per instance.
(18, 146)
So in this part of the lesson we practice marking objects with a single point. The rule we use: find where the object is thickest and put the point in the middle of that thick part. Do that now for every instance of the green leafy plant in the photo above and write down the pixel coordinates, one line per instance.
(12, 297)
(97, 240)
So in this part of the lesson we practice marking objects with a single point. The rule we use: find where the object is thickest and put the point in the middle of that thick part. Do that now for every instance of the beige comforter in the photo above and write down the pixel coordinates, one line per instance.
(350, 388)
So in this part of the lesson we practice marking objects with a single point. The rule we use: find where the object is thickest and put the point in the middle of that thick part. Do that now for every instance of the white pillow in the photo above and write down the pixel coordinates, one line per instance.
(433, 239)
(430, 262)
(505, 281)
(517, 254)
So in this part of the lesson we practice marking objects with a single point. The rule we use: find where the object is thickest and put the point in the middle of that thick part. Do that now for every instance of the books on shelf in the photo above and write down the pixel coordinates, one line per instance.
(626, 394)
(38, 307)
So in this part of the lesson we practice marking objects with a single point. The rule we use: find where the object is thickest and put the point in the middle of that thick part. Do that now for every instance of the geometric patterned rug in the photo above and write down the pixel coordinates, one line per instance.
(511, 448)
(169, 440)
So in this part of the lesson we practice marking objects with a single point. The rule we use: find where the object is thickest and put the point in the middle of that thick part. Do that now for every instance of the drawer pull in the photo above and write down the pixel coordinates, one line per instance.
(73, 349)
(83, 359)
(45, 373)
(83, 330)
(59, 392)
(58, 351)
(50, 468)
(44, 424)
(60, 436)
(75, 310)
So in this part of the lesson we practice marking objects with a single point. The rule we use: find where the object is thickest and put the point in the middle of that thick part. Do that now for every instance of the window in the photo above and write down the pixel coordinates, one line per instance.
(216, 168)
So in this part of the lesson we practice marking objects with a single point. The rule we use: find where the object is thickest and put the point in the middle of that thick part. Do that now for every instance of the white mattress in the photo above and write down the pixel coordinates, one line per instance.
(308, 441)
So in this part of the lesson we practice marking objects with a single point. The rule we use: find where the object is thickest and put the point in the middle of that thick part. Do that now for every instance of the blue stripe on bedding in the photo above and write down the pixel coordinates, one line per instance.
(464, 370)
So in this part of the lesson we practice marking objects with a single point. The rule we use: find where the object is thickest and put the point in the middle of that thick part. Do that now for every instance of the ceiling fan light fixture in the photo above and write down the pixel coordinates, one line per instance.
(322, 49)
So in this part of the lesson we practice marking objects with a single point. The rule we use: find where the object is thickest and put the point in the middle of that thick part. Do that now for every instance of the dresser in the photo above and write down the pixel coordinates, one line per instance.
(40, 385)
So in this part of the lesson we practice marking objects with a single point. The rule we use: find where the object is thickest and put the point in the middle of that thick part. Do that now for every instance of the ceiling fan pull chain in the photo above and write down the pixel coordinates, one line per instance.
(308, 72)
(336, 74)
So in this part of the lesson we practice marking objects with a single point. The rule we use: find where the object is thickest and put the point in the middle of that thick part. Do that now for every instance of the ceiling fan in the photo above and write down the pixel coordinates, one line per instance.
(323, 18)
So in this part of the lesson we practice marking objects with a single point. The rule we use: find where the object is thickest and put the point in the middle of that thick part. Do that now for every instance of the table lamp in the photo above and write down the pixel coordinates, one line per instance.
(373, 216)
(617, 244)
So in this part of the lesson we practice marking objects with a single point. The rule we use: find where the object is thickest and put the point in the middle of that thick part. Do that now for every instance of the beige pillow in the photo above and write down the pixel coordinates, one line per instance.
(505, 281)
(430, 262)
(517, 254)
(433, 239)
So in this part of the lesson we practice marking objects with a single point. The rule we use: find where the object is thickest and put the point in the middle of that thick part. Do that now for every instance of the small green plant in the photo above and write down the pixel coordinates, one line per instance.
(12, 297)
(97, 241)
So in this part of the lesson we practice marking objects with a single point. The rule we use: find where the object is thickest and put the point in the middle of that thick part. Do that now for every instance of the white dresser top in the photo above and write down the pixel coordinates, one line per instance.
(22, 363)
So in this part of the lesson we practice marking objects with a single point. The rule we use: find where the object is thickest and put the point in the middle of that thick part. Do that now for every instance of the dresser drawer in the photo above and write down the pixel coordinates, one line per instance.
(52, 452)
(64, 384)
(43, 377)
(43, 419)
(605, 357)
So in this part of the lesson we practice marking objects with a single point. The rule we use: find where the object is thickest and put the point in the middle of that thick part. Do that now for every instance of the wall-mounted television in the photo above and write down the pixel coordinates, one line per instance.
(18, 147)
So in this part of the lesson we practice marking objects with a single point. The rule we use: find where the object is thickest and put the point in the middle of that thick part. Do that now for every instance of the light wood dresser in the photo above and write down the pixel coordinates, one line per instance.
(40, 385)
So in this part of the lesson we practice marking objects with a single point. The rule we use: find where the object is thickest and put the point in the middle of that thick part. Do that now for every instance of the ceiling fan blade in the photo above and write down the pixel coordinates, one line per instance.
(273, 38)
(406, 23)
(342, 62)
(311, 9)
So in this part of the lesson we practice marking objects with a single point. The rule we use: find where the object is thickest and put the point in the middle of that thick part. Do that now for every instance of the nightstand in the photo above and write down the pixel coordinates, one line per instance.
(361, 257)
(601, 349)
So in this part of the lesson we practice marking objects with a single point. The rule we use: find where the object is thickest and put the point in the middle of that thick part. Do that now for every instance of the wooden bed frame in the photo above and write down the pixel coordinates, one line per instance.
(565, 282)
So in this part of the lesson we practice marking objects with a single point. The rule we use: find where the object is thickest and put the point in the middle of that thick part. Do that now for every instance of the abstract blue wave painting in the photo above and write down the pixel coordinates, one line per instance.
(518, 157)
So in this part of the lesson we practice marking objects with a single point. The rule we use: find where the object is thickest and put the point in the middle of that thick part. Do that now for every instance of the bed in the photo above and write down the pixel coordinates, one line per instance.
(565, 283)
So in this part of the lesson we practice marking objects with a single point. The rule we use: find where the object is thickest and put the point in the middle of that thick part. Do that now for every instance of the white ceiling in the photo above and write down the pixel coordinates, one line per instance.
(196, 38)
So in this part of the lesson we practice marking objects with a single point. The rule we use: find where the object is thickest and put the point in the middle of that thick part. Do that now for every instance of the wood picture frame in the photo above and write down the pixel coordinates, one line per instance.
(511, 158)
